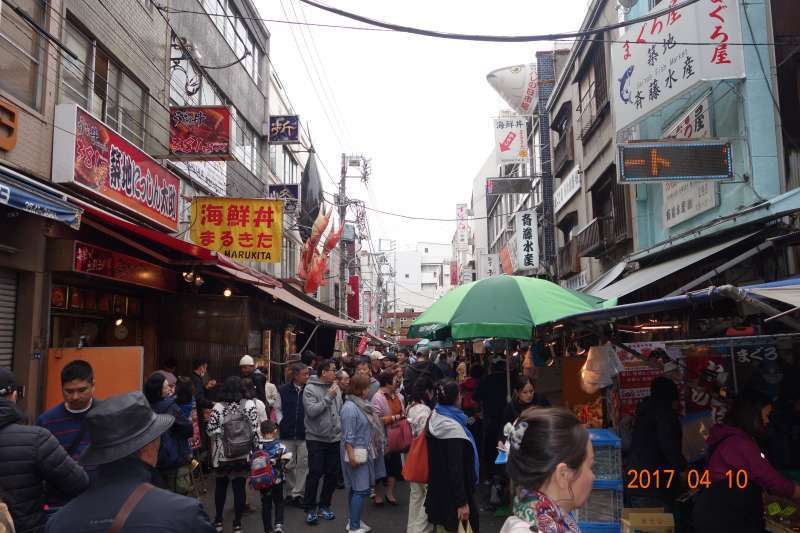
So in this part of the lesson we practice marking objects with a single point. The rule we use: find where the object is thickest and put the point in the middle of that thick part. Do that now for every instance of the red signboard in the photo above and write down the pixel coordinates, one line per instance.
(96, 261)
(91, 156)
(505, 260)
(453, 273)
(353, 303)
(200, 132)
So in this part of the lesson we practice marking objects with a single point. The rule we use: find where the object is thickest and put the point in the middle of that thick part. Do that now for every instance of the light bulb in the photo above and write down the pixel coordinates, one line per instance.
(227, 293)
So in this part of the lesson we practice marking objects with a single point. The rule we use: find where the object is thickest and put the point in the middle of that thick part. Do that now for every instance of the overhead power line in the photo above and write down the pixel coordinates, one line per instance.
(497, 38)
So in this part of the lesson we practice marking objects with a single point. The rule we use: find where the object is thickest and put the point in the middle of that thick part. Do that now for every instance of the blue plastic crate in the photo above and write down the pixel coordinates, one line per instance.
(607, 454)
(600, 527)
(604, 505)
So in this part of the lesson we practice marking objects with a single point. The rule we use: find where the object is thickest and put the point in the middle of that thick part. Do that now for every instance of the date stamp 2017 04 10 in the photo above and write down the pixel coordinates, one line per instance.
(664, 479)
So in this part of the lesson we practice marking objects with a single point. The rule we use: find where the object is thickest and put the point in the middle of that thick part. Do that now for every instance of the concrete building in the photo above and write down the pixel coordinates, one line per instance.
(423, 275)
(592, 212)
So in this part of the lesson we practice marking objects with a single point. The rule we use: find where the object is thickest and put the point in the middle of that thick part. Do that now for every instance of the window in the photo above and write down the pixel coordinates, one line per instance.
(406, 276)
(593, 90)
(108, 93)
(426, 250)
(232, 27)
(247, 144)
(21, 53)
(290, 167)
(654, 3)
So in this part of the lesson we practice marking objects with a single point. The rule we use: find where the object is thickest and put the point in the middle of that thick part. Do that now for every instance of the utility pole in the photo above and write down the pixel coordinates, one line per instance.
(394, 277)
(342, 201)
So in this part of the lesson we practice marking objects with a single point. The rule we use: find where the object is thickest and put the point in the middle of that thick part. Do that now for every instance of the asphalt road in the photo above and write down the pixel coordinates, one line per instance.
(386, 519)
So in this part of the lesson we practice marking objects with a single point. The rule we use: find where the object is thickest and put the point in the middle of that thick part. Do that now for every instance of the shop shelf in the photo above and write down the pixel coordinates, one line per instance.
(607, 454)
(604, 505)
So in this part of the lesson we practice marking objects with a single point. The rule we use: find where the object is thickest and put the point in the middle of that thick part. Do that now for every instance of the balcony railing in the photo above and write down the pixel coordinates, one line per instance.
(564, 151)
(569, 262)
(591, 108)
(589, 240)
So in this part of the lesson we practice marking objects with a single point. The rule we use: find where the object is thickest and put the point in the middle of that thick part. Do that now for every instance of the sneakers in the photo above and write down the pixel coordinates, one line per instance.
(362, 528)
(312, 518)
(218, 526)
(278, 528)
(326, 514)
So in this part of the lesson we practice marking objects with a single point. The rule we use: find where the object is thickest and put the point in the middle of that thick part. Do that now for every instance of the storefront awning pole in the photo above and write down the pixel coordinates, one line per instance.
(508, 375)
(742, 296)
(733, 370)
(308, 341)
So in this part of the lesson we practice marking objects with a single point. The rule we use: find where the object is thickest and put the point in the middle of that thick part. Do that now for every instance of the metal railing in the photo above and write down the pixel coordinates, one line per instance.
(564, 152)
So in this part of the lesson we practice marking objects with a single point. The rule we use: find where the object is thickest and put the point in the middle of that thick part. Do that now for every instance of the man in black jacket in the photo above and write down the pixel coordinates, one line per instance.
(29, 457)
(126, 435)
(293, 433)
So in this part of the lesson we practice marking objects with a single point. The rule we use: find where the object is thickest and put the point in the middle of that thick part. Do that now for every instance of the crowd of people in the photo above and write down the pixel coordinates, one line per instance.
(129, 460)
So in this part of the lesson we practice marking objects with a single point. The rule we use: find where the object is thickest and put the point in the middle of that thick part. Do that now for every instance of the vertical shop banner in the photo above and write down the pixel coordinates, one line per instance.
(200, 132)
(284, 129)
(511, 140)
(454, 273)
(240, 228)
(462, 227)
(657, 60)
(353, 296)
(89, 155)
(488, 265)
(634, 380)
(682, 200)
(527, 240)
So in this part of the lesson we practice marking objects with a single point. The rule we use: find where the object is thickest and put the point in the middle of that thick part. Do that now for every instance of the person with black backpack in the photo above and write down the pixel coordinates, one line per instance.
(233, 426)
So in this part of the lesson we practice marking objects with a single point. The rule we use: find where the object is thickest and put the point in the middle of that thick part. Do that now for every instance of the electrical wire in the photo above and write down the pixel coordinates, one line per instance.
(498, 38)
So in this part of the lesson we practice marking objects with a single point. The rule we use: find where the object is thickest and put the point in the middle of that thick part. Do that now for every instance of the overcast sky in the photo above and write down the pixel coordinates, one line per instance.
(419, 107)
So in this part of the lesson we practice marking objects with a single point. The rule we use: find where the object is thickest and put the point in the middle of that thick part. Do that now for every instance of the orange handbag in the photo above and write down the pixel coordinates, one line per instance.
(416, 468)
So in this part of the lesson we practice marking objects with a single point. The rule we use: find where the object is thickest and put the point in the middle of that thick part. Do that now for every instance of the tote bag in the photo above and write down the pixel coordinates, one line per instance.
(398, 437)
(416, 468)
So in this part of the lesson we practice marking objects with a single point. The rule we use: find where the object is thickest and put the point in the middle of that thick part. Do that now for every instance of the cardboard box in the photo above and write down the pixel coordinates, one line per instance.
(640, 510)
(648, 522)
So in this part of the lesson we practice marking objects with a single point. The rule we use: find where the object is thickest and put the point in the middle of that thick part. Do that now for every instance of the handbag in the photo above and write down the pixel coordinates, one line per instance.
(416, 468)
(398, 437)
(360, 455)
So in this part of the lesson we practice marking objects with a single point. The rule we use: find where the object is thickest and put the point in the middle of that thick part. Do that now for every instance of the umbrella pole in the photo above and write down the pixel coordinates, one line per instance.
(508, 375)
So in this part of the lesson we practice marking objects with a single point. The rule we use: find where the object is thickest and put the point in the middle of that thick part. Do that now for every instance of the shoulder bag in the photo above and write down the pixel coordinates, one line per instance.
(127, 508)
(416, 468)
(398, 435)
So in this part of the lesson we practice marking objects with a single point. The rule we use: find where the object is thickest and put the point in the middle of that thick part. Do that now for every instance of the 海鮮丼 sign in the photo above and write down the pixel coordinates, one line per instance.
(241, 228)
(659, 59)
(511, 139)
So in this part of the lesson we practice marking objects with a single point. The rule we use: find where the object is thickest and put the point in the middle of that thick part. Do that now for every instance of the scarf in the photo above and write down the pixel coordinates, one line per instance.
(457, 415)
(543, 514)
(377, 431)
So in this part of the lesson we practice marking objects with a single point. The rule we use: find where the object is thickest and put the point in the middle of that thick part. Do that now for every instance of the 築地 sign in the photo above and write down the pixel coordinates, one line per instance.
(200, 132)
(675, 161)
(657, 60)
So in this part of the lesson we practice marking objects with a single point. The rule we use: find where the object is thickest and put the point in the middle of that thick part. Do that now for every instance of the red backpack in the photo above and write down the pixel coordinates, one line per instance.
(262, 473)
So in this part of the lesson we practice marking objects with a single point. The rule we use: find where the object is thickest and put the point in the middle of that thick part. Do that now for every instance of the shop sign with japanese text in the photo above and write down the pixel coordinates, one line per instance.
(659, 59)
(96, 261)
(527, 240)
(687, 199)
(569, 186)
(518, 85)
(288, 192)
(462, 227)
(511, 140)
(284, 129)
(488, 265)
(240, 228)
(89, 155)
(200, 132)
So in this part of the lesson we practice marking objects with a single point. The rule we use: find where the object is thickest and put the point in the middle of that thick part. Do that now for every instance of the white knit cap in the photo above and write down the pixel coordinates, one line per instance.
(246, 360)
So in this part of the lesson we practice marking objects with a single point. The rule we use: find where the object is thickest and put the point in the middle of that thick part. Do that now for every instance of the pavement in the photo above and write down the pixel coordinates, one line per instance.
(385, 519)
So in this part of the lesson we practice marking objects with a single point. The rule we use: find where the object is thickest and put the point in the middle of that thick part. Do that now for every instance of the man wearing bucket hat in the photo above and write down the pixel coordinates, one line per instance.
(125, 437)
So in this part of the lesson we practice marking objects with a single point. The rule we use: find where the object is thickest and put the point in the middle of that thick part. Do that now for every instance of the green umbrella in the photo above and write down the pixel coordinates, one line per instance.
(506, 307)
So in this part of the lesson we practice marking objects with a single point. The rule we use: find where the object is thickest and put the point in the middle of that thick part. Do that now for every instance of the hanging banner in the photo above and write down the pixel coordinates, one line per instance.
(96, 261)
(511, 140)
(659, 59)
(462, 227)
(527, 236)
(568, 188)
(200, 132)
(240, 228)
(518, 85)
(284, 129)
(353, 304)
(682, 201)
(89, 155)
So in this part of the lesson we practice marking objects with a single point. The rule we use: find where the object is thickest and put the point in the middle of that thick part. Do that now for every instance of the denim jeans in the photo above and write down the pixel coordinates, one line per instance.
(356, 506)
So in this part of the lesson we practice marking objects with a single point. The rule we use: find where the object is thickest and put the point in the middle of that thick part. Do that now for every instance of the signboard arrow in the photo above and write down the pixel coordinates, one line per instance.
(505, 146)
